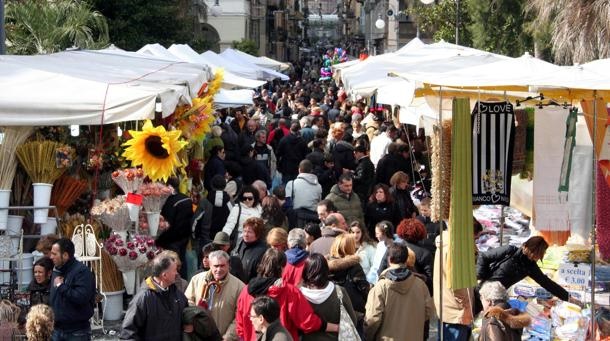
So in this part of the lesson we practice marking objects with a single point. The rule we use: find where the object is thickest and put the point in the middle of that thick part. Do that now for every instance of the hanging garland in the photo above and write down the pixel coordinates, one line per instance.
(195, 121)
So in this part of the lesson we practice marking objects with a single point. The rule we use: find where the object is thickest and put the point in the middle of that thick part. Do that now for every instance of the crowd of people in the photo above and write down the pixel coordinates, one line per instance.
(312, 222)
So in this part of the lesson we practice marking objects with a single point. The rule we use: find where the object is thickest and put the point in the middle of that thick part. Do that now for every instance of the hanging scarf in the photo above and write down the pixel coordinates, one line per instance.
(211, 288)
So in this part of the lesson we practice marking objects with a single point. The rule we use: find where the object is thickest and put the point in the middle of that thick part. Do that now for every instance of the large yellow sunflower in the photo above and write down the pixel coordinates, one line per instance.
(156, 149)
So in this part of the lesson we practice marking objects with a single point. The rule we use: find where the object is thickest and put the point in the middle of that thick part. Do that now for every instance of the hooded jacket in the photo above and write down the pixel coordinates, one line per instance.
(154, 314)
(295, 312)
(325, 302)
(347, 272)
(394, 307)
(293, 271)
(348, 205)
(503, 324)
(307, 191)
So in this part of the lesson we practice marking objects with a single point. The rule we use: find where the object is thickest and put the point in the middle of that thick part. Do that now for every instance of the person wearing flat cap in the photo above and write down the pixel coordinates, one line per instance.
(222, 242)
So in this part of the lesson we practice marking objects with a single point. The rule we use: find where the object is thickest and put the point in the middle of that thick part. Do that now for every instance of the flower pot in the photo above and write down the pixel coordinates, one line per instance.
(15, 222)
(153, 222)
(5, 196)
(24, 268)
(134, 211)
(42, 198)
(113, 305)
(50, 227)
(129, 280)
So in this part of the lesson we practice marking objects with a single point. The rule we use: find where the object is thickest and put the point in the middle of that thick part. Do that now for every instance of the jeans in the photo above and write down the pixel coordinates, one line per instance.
(456, 332)
(76, 335)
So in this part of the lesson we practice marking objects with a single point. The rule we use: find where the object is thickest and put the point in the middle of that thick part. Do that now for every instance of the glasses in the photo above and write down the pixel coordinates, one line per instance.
(247, 198)
(253, 316)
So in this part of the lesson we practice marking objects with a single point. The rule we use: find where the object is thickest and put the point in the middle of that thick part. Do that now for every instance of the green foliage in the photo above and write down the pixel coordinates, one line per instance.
(134, 23)
(499, 26)
(247, 46)
(38, 26)
(439, 20)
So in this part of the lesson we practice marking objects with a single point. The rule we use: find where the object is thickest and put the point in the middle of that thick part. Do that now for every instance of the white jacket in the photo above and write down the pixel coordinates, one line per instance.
(246, 212)
(379, 147)
(307, 191)
(366, 253)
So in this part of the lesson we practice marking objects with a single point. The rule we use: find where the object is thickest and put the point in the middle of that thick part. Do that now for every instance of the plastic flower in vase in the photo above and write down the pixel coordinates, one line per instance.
(113, 213)
(156, 150)
(154, 195)
(132, 253)
(144, 224)
(128, 179)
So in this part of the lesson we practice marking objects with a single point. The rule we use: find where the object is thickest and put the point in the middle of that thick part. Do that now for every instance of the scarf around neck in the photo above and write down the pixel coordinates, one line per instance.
(318, 296)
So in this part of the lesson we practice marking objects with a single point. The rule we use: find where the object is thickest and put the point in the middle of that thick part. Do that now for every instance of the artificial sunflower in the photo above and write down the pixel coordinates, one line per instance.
(156, 149)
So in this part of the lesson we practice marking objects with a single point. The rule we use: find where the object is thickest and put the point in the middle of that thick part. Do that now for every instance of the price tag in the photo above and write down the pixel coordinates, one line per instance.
(135, 199)
(574, 274)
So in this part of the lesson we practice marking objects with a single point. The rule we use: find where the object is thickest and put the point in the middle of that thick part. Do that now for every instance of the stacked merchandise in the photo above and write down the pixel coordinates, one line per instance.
(516, 226)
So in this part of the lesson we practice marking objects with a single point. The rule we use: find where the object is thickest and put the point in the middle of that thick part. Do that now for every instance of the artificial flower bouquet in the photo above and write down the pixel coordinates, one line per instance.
(128, 179)
(130, 254)
(154, 195)
(113, 213)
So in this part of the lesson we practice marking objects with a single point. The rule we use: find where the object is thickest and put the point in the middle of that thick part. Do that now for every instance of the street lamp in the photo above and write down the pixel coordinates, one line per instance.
(380, 23)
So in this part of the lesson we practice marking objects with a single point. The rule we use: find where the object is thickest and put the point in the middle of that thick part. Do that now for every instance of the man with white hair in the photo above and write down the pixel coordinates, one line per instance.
(217, 291)
(295, 256)
(333, 226)
(261, 187)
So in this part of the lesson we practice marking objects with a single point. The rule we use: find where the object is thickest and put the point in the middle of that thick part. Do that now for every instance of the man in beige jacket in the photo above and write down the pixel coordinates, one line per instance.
(217, 290)
(457, 304)
(399, 304)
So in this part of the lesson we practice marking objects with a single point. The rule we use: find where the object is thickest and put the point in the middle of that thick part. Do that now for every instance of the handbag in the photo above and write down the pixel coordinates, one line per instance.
(347, 330)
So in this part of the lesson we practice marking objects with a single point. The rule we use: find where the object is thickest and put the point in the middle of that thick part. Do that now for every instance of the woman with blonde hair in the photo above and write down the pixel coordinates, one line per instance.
(39, 325)
(346, 271)
(9, 314)
(277, 238)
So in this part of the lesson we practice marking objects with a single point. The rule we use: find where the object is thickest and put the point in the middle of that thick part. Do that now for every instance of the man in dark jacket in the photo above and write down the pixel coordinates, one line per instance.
(364, 174)
(72, 293)
(178, 211)
(396, 160)
(265, 317)
(155, 313)
(290, 151)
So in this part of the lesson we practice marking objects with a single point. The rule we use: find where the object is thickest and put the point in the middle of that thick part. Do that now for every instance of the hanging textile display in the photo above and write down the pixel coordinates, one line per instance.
(519, 150)
(461, 262)
(493, 131)
(602, 214)
(568, 148)
(602, 129)
(550, 213)
(528, 170)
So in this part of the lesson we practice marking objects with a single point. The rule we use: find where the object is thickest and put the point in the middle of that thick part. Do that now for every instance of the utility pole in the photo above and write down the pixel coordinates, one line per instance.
(2, 34)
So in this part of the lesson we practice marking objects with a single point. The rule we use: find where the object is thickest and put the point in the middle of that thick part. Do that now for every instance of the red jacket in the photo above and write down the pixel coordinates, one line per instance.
(295, 312)
(293, 274)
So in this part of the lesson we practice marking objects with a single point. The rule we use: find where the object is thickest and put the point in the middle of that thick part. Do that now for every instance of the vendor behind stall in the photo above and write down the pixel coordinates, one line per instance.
(509, 264)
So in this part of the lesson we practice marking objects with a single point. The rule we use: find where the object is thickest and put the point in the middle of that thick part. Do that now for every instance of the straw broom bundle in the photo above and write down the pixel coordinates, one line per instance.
(38, 158)
(441, 172)
(69, 222)
(65, 192)
(113, 279)
(13, 137)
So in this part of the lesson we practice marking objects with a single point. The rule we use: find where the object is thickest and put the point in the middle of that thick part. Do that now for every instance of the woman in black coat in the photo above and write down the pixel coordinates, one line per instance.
(40, 287)
(509, 264)
(402, 196)
(380, 207)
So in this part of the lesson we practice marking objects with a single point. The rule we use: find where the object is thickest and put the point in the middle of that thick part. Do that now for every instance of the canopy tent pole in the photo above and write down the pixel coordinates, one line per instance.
(594, 227)
(441, 263)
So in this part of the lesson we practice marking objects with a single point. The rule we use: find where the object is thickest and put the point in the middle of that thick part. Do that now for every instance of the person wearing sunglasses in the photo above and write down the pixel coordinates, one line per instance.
(248, 206)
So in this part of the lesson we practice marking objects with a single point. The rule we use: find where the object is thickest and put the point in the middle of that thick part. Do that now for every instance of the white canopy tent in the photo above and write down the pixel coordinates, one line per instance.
(238, 69)
(33, 97)
(80, 85)
(282, 67)
(238, 57)
(230, 81)
(267, 63)
(233, 98)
